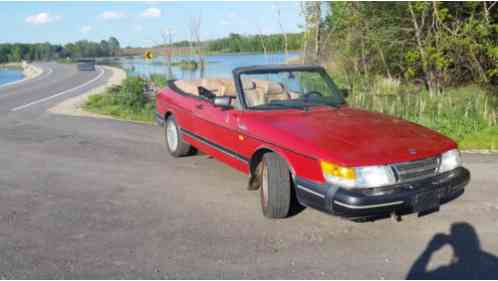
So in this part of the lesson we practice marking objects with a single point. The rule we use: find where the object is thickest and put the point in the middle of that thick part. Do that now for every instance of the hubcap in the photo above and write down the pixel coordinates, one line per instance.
(172, 136)
(264, 186)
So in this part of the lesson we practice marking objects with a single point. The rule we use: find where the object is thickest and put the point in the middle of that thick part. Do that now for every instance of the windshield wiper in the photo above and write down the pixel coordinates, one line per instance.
(323, 102)
(286, 104)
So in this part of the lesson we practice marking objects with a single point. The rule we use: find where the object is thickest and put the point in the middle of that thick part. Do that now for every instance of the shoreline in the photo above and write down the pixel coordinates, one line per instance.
(209, 54)
(29, 71)
(11, 65)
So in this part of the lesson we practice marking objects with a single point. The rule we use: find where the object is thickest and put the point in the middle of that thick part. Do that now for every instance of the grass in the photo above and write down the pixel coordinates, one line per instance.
(456, 113)
(125, 102)
(100, 104)
(486, 139)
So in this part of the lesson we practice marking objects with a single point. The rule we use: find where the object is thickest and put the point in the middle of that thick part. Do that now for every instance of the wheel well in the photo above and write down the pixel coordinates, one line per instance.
(256, 158)
(166, 115)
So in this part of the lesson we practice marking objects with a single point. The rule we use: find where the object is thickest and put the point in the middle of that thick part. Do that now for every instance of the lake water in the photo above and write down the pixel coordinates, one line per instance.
(9, 75)
(217, 65)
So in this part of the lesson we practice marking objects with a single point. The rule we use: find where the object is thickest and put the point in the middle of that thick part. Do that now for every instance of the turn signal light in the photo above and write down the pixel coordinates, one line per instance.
(335, 170)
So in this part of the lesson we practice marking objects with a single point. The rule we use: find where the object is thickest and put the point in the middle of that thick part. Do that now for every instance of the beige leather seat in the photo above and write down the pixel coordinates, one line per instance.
(254, 93)
(220, 87)
(275, 91)
(257, 92)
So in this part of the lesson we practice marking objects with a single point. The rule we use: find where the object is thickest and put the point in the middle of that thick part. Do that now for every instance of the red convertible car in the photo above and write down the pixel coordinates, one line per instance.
(288, 127)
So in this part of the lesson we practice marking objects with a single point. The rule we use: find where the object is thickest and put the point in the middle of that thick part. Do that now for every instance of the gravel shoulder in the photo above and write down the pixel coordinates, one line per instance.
(73, 106)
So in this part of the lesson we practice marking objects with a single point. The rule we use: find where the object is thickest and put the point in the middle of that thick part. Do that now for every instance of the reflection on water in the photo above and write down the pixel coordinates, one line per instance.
(9, 75)
(216, 66)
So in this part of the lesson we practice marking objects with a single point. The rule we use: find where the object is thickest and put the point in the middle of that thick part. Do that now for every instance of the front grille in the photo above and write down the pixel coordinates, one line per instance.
(416, 170)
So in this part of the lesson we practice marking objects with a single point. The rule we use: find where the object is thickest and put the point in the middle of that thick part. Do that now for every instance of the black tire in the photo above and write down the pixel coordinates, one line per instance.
(275, 190)
(181, 148)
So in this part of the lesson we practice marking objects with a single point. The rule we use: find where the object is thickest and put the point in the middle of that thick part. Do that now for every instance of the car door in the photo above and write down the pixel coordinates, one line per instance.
(219, 132)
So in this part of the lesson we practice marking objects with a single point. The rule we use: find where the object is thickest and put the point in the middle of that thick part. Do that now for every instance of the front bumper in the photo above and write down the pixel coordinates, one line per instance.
(381, 202)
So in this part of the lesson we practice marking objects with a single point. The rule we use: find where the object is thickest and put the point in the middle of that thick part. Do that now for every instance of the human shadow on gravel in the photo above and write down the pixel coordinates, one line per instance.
(468, 262)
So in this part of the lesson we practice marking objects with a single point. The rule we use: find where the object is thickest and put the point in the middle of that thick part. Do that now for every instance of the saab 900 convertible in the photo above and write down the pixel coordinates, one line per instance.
(289, 128)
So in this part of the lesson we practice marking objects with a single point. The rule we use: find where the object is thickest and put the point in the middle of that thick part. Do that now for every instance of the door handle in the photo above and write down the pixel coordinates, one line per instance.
(199, 106)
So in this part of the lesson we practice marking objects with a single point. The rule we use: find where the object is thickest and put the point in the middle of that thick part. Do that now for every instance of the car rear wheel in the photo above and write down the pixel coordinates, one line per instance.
(177, 147)
(275, 188)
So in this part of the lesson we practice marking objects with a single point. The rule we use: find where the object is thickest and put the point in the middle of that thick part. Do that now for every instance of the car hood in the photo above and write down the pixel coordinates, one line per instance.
(347, 136)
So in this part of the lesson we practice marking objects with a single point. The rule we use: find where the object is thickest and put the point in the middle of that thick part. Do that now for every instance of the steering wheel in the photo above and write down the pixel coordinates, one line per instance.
(311, 93)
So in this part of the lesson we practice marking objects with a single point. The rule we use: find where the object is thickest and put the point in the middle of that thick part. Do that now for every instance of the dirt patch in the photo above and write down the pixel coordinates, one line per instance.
(73, 106)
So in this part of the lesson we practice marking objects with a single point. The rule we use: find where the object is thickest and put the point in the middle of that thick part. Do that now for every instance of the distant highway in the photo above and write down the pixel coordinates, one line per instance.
(58, 81)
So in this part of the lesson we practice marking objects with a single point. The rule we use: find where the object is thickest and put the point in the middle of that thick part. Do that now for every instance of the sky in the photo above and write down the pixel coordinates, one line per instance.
(141, 24)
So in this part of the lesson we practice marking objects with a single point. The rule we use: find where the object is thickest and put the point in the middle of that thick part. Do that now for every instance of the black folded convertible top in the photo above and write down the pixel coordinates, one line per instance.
(269, 68)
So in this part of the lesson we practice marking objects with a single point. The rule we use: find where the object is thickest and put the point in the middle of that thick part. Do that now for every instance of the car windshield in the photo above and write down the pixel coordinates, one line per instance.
(290, 89)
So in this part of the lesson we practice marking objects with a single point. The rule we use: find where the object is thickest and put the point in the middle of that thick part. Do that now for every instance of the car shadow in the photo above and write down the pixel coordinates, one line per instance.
(469, 261)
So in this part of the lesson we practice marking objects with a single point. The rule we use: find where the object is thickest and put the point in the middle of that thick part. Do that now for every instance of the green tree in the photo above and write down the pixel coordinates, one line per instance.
(440, 43)
(114, 46)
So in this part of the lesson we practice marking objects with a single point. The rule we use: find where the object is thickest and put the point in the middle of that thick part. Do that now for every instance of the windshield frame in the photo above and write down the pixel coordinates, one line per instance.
(269, 69)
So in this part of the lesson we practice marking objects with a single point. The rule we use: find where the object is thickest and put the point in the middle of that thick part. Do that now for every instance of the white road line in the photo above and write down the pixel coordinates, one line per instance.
(44, 74)
(61, 93)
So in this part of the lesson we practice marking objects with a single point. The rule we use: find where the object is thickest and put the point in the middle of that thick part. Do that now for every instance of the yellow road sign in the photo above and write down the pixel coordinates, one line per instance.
(148, 55)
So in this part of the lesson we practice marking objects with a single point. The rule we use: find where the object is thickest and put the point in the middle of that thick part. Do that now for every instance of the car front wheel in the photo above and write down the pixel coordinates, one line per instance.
(177, 147)
(275, 190)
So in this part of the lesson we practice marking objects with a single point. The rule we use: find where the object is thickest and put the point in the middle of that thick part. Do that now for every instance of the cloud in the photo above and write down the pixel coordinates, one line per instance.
(152, 13)
(85, 29)
(42, 18)
(230, 18)
(112, 15)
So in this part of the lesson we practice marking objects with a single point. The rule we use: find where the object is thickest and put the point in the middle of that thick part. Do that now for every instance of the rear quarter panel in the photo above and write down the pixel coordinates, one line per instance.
(180, 105)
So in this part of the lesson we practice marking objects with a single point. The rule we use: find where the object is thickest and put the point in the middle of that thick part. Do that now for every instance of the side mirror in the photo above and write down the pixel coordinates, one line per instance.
(222, 101)
(344, 92)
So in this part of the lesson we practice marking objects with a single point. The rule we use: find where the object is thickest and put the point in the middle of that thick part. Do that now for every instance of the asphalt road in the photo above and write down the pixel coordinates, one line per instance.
(96, 198)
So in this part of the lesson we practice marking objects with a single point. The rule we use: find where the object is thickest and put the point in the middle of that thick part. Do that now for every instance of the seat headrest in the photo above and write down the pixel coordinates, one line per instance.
(274, 88)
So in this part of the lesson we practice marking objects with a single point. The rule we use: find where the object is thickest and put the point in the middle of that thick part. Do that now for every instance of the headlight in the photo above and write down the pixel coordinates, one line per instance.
(450, 160)
(374, 176)
(362, 177)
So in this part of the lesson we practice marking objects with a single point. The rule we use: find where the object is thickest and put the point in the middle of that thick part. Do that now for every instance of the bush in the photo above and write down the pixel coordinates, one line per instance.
(131, 93)
(126, 102)
(159, 80)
